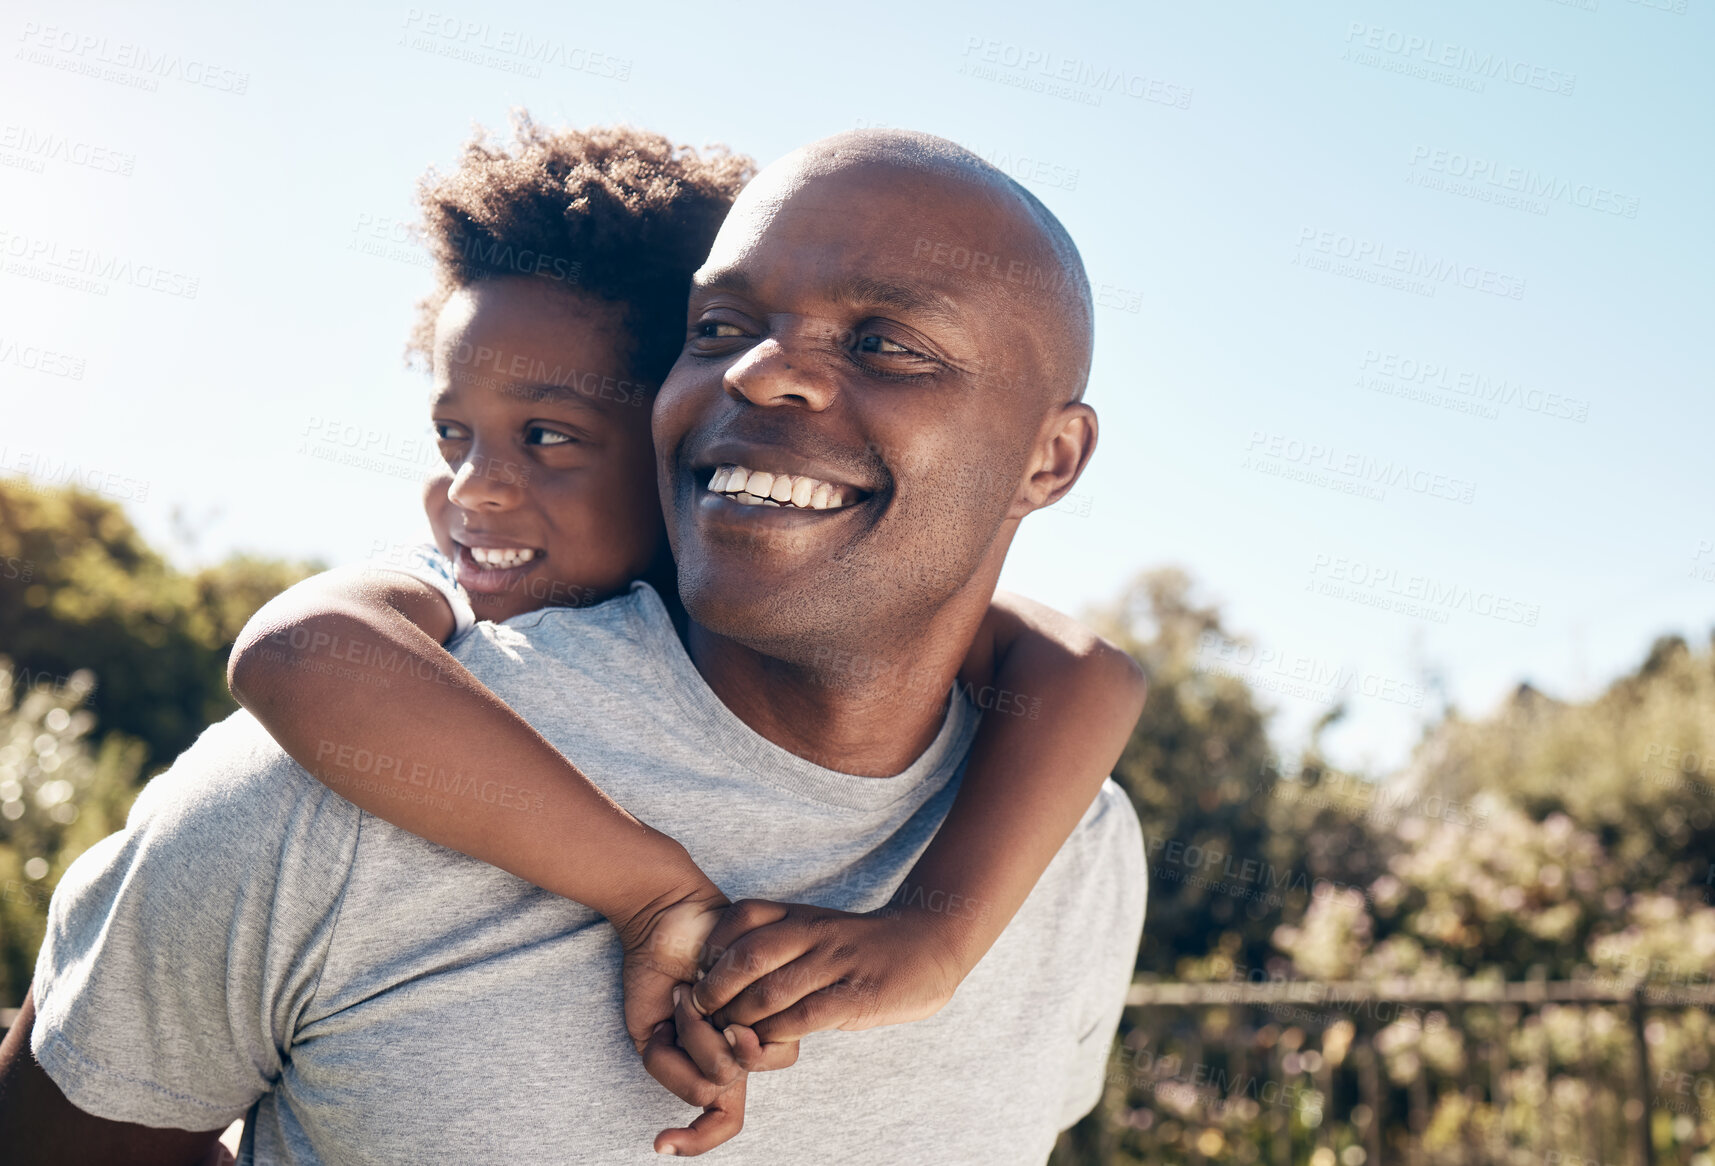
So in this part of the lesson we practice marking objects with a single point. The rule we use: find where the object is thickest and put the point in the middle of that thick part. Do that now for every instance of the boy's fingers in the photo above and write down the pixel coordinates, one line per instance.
(743, 916)
(704, 1043)
(668, 1063)
(827, 1008)
(757, 1057)
(775, 992)
(743, 961)
(648, 998)
(718, 1122)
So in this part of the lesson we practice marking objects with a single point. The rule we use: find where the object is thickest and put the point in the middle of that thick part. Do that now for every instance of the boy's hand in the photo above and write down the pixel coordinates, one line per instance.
(663, 944)
(787, 970)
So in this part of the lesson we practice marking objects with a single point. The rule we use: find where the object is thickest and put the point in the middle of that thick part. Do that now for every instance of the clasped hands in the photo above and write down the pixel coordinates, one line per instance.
(715, 991)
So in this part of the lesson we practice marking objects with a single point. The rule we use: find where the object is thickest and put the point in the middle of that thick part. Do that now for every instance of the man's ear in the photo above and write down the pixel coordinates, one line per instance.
(1063, 449)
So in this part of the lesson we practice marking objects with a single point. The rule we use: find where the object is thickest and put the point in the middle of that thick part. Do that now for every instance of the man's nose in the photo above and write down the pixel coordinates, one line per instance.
(484, 481)
(777, 372)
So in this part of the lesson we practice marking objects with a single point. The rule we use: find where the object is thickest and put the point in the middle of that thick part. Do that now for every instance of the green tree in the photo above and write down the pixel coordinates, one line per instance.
(79, 589)
(1208, 789)
(60, 793)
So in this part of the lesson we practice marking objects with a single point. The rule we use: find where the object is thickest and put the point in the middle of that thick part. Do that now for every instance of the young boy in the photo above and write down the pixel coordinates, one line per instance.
(541, 391)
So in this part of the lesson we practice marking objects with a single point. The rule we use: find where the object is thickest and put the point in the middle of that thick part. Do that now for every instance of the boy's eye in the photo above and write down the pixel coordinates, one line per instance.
(447, 431)
(542, 435)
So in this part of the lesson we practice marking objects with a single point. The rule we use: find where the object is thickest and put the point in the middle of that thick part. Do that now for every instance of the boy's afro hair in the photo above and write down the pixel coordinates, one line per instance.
(615, 212)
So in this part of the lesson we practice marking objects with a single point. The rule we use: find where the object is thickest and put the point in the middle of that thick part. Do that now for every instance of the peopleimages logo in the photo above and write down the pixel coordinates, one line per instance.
(1295, 674)
(1358, 467)
(1482, 173)
(44, 474)
(43, 360)
(88, 269)
(1382, 260)
(1362, 581)
(1424, 55)
(30, 149)
(126, 61)
(509, 49)
(1430, 374)
(1070, 77)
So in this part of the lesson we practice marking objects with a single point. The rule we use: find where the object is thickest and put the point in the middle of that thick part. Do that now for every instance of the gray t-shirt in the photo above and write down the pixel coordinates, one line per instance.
(253, 944)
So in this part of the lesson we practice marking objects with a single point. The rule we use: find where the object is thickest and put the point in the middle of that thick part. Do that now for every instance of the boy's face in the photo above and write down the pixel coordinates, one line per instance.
(548, 496)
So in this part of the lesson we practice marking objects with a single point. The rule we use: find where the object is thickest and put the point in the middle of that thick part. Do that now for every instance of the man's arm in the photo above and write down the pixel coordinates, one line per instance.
(39, 1127)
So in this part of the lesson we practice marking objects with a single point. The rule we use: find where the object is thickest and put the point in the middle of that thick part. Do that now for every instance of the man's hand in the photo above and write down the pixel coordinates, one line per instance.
(664, 945)
(787, 970)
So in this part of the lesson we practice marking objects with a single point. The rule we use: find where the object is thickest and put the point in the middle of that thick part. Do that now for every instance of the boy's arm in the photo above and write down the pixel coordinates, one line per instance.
(1061, 703)
(346, 671)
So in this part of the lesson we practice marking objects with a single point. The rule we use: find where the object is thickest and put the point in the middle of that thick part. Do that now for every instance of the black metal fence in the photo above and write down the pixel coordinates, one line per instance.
(1462, 1072)
(1312, 1073)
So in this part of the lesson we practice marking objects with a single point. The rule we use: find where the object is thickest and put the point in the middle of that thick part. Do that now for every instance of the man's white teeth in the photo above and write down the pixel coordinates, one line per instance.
(501, 556)
(761, 488)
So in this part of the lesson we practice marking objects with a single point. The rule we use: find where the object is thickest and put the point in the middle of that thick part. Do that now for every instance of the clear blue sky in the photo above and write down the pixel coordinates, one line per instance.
(1269, 193)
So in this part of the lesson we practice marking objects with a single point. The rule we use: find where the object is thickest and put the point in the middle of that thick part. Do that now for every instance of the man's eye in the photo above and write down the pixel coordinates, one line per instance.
(447, 431)
(718, 330)
(541, 435)
(883, 346)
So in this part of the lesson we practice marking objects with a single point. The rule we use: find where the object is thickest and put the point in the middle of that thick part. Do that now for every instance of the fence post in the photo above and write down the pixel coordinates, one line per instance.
(1370, 1092)
(1643, 1144)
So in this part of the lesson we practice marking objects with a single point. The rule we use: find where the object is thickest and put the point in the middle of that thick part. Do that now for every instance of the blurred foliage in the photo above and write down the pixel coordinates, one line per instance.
(1550, 840)
(59, 795)
(1203, 774)
(80, 590)
(111, 662)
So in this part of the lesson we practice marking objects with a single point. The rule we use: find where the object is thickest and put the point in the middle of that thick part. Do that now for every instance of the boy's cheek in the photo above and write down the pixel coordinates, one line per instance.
(439, 508)
(435, 487)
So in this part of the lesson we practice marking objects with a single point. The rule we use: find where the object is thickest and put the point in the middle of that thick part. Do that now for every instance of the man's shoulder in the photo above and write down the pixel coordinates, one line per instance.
(232, 815)
(216, 901)
(235, 778)
(1099, 882)
(1110, 826)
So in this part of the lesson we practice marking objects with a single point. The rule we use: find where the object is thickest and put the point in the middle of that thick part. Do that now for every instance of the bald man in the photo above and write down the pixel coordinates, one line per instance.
(255, 956)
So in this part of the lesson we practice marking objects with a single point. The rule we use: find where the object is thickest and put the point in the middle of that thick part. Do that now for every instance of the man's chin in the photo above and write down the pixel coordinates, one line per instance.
(763, 610)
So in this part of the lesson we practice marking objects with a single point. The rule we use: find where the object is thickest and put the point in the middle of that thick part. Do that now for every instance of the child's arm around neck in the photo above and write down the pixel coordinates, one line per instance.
(347, 672)
(1060, 704)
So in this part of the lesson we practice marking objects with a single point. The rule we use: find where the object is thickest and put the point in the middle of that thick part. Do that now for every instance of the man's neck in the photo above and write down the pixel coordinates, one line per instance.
(870, 712)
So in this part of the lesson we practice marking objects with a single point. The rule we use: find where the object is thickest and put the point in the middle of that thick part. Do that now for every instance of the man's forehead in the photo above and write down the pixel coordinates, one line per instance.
(877, 235)
(886, 284)
(863, 202)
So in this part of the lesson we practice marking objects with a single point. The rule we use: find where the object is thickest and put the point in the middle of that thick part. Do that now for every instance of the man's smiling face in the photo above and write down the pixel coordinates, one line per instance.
(832, 342)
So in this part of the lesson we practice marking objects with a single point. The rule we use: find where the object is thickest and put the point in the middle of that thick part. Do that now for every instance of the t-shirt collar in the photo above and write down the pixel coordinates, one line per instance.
(768, 761)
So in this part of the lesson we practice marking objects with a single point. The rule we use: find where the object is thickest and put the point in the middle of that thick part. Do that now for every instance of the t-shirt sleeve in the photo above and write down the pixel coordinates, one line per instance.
(427, 563)
(181, 951)
(1117, 881)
